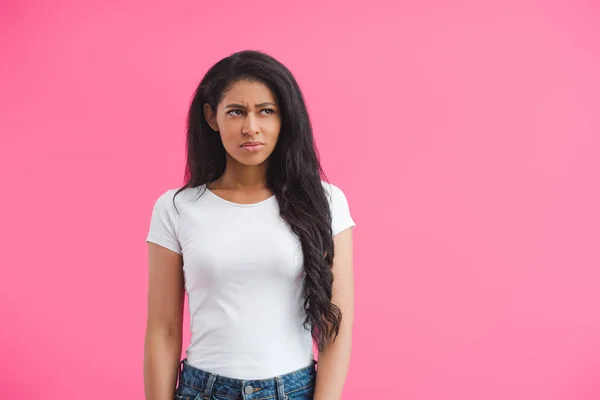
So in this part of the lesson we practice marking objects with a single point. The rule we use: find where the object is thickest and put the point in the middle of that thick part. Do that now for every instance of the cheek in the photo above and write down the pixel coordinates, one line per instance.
(229, 130)
(273, 138)
(273, 130)
(230, 140)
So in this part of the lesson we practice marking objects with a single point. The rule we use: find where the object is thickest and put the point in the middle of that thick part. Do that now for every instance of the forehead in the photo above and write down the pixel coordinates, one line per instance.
(247, 92)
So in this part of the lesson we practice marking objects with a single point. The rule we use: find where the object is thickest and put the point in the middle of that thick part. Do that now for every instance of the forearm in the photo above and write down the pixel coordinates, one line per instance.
(332, 367)
(162, 353)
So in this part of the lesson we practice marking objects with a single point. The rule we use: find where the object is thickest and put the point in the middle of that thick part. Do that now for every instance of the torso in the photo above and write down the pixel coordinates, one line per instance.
(243, 275)
(243, 270)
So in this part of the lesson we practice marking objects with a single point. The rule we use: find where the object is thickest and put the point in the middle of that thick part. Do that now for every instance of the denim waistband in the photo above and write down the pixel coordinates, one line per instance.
(196, 384)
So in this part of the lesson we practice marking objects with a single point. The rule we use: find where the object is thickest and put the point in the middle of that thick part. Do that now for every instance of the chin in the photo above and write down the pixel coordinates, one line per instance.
(250, 161)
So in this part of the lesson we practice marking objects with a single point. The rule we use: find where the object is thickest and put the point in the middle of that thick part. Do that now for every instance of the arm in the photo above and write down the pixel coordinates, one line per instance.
(162, 346)
(334, 359)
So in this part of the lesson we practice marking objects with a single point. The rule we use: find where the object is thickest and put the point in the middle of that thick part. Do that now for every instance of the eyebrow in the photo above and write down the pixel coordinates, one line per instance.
(267, 103)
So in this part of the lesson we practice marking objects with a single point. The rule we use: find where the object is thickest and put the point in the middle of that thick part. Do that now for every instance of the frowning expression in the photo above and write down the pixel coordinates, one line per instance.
(248, 120)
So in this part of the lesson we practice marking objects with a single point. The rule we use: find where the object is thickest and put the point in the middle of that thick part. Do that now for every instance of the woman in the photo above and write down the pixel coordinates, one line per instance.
(261, 245)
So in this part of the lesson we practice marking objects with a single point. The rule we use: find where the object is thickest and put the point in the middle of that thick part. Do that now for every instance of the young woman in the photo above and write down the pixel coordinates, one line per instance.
(261, 245)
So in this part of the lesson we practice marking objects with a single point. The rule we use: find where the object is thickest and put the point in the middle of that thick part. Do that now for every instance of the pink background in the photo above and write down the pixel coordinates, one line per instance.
(465, 135)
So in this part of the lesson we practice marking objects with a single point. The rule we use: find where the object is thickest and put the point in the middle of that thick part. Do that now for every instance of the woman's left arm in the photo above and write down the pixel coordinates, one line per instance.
(334, 359)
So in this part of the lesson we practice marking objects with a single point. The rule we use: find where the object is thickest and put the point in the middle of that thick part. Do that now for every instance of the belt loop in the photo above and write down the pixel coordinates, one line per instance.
(209, 386)
(280, 389)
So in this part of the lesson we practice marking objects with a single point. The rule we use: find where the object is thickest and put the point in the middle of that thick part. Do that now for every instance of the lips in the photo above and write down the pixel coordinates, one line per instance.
(252, 146)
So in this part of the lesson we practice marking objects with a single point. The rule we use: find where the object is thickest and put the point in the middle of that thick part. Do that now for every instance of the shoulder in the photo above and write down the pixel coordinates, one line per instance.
(334, 193)
(340, 211)
(170, 198)
(167, 195)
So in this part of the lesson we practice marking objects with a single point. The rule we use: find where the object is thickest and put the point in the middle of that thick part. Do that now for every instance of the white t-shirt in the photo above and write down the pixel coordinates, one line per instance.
(243, 275)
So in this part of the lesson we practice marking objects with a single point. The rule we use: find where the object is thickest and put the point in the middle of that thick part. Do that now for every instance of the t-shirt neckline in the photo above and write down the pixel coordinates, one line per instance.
(214, 195)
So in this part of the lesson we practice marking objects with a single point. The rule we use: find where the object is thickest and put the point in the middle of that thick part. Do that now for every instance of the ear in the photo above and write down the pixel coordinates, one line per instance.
(211, 117)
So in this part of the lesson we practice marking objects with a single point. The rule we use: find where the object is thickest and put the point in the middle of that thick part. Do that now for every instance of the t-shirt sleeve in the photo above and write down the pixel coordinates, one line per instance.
(340, 210)
(163, 225)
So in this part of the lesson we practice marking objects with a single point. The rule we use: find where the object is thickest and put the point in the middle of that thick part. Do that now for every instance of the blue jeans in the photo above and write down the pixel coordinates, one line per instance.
(196, 384)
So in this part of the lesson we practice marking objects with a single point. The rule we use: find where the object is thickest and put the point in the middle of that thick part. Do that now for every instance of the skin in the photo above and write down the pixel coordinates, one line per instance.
(162, 345)
(247, 112)
(334, 359)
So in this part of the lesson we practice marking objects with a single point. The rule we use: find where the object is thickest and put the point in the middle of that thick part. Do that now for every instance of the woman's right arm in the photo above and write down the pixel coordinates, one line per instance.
(162, 345)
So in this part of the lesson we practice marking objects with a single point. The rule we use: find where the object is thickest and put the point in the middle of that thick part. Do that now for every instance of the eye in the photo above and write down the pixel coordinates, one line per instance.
(269, 111)
(234, 111)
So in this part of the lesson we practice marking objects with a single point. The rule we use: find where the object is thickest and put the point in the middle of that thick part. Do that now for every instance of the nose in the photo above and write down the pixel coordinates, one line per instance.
(250, 126)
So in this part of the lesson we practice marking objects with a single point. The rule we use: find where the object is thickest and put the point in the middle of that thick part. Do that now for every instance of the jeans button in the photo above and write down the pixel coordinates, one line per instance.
(248, 389)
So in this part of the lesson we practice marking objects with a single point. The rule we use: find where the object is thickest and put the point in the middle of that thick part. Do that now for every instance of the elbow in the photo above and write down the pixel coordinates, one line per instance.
(164, 331)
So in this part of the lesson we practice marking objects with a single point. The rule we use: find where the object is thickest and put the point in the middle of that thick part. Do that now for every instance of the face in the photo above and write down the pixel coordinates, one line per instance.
(248, 120)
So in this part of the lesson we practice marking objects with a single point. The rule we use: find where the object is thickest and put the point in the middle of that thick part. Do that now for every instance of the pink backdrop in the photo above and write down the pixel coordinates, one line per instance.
(465, 137)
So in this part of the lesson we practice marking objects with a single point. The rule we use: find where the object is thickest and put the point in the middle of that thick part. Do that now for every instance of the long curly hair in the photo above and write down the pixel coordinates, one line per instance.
(294, 173)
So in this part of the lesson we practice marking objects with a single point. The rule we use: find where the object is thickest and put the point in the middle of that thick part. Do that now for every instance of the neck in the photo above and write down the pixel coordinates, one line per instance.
(240, 176)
